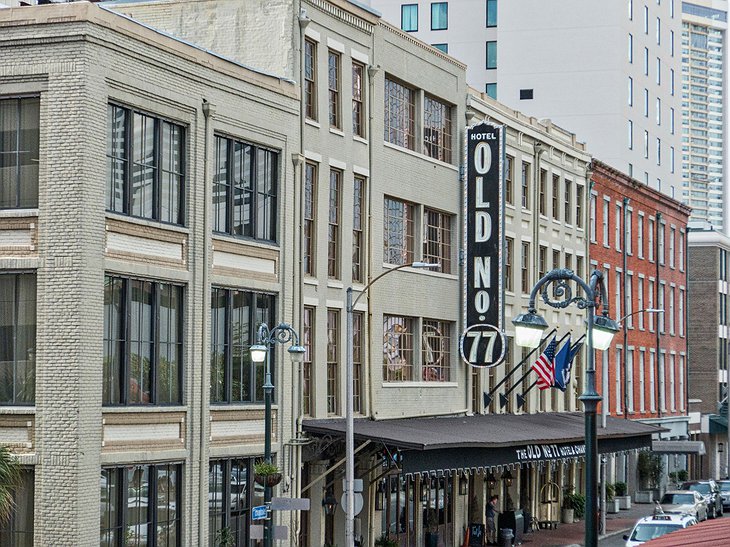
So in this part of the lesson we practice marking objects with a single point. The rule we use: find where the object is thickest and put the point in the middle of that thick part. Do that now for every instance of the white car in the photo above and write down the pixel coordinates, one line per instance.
(656, 526)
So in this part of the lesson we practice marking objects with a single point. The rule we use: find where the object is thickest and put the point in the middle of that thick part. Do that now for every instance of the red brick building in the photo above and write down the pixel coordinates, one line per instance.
(637, 238)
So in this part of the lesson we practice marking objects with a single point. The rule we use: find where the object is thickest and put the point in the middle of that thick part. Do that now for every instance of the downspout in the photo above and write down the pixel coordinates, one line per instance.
(624, 325)
(538, 150)
(659, 398)
(208, 112)
(372, 72)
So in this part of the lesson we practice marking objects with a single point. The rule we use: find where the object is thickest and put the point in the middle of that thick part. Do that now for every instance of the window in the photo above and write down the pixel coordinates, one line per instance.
(525, 265)
(630, 380)
(640, 301)
(640, 236)
(671, 121)
(245, 190)
(631, 48)
(141, 505)
(579, 206)
(619, 302)
(681, 250)
(646, 144)
(437, 239)
(606, 227)
(143, 349)
(658, 31)
(19, 152)
(491, 90)
(333, 225)
(568, 186)
(652, 390)
(527, 94)
(646, 103)
(618, 381)
(333, 361)
(671, 311)
(642, 381)
(308, 338)
(400, 114)
(681, 312)
(409, 17)
(491, 13)
(661, 304)
(310, 79)
(436, 350)
(509, 181)
(310, 223)
(508, 261)
(646, 61)
(146, 166)
(556, 259)
(658, 111)
(579, 266)
(231, 495)
(436, 129)
(671, 81)
(672, 235)
(333, 84)
(442, 47)
(398, 348)
(357, 359)
(629, 235)
(658, 71)
(650, 246)
(492, 55)
(525, 185)
(631, 91)
(592, 220)
(358, 266)
(568, 261)
(631, 134)
(235, 318)
(629, 300)
(619, 223)
(17, 338)
(646, 20)
(17, 531)
(439, 15)
(541, 261)
(542, 190)
(358, 80)
(650, 295)
(399, 232)
(660, 243)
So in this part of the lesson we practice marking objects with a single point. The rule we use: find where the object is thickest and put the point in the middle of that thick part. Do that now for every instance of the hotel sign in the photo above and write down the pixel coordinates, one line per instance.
(540, 452)
(482, 342)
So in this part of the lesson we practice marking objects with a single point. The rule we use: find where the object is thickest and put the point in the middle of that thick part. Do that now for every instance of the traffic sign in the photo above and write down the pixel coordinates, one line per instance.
(357, 502)
(290, 504)
(482, 345)
(259, 512)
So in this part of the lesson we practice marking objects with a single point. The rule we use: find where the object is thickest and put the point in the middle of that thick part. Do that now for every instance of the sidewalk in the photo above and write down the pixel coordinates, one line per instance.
(573, 534)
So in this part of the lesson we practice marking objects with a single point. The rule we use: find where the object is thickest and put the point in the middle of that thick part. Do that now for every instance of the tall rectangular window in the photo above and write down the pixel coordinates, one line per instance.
(358, 330)
(579, 206)
(439, 15)
(310, 79)
(631, 91)
(400, 114)
(231, 494)
(658, 31)
(629, 308)
(658, 111)
(658, 71)
(245, 189)
(568, 186)
(556, 259)
(358, 242)
(640, 235)
(541, 261)
(398, 348)
(310, 224)
(436, 350)
(592, 220)
(652, 382)
(491, 55)
(334, 82)
(436, 129)
(541, 206)
(17, 530)
(143, 346)
(525, 266)
(235, 315)
(605, 224)
(646, 103)
(681, 382)
(409, 17)
(630, 129)
(681, 250)
(618, 225)
(650, 297)
(17, 338)
(650, 245)
(672, 388)
(491, 13)
(630, 380)
(358, 112)
(398, 229)
(642, 381)
(509, 251)
(671, 311)
(640, 301)
(629, 235)
(646, 144)
(145, 165)
(631, 48)
(141, 505)
(333, 225)
(333, 361)
(660, 243)
(19, 152)
(672, 235)
(646, 61)
(491, 90)
(437, 239)
(509, 181)
(525, 185)
(662, 306)
(308, 338)
(618, 381)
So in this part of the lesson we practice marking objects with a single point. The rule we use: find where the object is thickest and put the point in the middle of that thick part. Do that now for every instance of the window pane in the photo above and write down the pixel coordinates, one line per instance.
(218, 345)
(113, 339)
(168, 517)
(141, 343)
(170, 353)
(19, 152)
(439, 15)
(491, 54)
(17, 338)
(400, 108)
(491, 13)
(409, 17)
(18, 530)
(117, 159)
(437, 129)
(138, 507)
(110, 526)
(436, 347)
(397, 348)
(144, 166)
(221, 187)
(398, 232)
(171, 179)
(240, 342)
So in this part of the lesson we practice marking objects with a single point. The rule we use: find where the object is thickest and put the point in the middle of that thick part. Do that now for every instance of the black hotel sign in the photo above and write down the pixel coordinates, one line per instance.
(482, 343)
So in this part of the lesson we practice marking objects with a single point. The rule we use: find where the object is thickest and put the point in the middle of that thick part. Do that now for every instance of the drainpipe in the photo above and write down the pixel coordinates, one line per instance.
(659, 394)
(627, 303)
(372, 72)
(538, 150)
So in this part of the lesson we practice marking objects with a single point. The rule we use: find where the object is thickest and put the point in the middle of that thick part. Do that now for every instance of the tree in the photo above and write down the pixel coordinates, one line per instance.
(9, 481)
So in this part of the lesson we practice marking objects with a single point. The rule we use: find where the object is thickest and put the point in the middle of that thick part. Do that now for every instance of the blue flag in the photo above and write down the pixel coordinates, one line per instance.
(564, 363)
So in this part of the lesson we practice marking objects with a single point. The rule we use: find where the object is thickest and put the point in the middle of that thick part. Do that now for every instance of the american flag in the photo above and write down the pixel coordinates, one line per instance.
(545, 366)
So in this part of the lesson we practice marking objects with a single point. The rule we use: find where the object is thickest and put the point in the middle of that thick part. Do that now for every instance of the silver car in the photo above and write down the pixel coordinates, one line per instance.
(725, 493)
(685, 502)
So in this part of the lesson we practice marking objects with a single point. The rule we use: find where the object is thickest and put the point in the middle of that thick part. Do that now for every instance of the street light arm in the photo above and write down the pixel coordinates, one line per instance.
(560, 277)
(391, 270)
(280, 334)
(647, 310)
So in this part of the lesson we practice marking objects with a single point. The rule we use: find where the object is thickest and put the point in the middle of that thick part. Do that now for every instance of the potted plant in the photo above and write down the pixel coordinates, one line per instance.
(624, 501)
(611, 501)
(224, 537)
(650, 469)
(384, 541)
(682, 475)
(567, 512)
(673, 477)
(266, 474)
(432, 527)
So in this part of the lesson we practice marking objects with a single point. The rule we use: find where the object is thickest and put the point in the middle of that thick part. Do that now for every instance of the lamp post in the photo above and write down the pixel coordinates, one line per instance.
(601, 329)
(349, 409)
(267, 338)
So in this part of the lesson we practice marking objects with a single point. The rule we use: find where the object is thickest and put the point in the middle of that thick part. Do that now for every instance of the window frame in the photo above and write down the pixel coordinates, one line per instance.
(334, 88)
(402, 17)
(358, 99)
(21, 134)
(400, 107)
(435, 16)
(491, 44)
(441, 241)
(29, 382)
(358, 229)
(334, 222)
(310, 79)
(437, 124)
(493, 4)
(309, 228)
(407, 236)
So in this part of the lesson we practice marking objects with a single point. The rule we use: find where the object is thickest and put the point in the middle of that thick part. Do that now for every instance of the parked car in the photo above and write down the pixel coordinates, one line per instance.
(656, 526)
(685, 502)
(710, 491)
(724, 493)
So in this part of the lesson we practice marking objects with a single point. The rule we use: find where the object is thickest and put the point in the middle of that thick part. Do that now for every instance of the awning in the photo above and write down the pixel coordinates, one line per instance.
(678, 447)
(489, 440)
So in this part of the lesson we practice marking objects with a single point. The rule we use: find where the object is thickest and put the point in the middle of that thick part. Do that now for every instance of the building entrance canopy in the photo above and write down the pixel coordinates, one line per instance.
(489, 440)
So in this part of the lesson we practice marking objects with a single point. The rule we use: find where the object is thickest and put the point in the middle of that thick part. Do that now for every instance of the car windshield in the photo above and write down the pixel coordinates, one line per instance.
(725, 486)
(678, 499)
(651, 530)
(701, 488)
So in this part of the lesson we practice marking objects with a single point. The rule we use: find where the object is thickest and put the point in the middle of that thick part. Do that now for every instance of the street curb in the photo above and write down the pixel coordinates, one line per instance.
(615, 533)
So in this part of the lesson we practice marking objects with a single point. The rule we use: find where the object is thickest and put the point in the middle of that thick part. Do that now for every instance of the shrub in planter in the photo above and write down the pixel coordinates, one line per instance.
(610, 492)
(620, 488)
(576, 502)
(383, 541)
(682, 475)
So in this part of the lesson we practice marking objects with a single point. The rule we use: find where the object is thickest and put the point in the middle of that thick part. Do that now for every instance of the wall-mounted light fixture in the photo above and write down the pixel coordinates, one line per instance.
(491, 481)
(507, 478)
(463, 485)
(380, 496)
(329, 503)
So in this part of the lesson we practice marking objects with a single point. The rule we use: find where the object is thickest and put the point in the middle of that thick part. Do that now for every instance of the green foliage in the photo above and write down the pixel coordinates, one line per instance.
(577, 503)
(650, 467)
(225, 538)
(610, 492)
(263, 468)
(432, 519)
(673, 476)
(383, 541)
(620, 488)
(9, 480)
(682, 475)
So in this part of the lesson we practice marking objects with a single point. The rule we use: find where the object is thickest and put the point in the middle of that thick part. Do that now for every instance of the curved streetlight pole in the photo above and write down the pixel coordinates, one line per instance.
(268, 338)
(349, 407)
(595, 295)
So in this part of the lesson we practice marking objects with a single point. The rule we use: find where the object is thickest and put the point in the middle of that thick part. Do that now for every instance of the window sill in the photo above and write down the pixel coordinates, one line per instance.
(358, 138)
(312, 123)
(146, 409)
(149, 223)
(233, 407)
(18, 213)
(311, 281)
(413, 384)
(17, 410)
(419, 155)
(241, 240)
(336, 131)
(335, 284)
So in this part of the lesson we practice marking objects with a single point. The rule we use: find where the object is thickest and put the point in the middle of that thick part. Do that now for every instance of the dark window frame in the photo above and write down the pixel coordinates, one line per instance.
(358, 229)
(12, 532)
(22, 133)
(310, 79)
(488, 4)
(487, 65)
(14, 399)
(310, 219)
(402, 19)
(436, 6)
(400, 108)
(334, 88)
(358, 99)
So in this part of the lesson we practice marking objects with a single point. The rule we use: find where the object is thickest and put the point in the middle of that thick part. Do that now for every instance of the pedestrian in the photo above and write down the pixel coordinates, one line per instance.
(491, 520)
